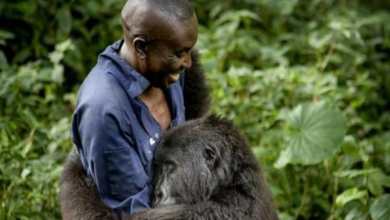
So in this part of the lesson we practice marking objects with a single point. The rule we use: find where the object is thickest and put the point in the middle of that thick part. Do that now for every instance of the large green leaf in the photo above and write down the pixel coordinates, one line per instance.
(380, 209)
(315, 132)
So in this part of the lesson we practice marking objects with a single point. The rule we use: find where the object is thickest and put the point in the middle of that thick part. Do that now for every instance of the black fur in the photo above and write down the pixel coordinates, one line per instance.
(214, 176)
(196, 91)
(79, 197)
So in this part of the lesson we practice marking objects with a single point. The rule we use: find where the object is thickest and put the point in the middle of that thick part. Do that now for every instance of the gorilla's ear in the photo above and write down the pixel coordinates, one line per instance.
(210, 155)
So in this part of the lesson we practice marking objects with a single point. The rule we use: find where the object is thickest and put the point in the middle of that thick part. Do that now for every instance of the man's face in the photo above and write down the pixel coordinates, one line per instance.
(169, 53)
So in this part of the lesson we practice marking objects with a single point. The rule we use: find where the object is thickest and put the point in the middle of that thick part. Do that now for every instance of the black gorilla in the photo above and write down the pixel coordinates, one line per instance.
(204, 169)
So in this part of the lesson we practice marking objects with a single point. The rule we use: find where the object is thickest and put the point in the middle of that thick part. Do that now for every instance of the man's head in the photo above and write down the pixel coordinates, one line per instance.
(159, 36)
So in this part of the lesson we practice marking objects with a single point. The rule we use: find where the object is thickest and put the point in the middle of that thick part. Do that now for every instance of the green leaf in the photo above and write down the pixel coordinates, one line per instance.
(65, 45)
(376, 181)
(25, 173)
(380, 209)
(349, 195)
(3, 61)
(357, 213)
(6, 35)
(315, 133)
(354, 173)
(64, 20)
(58, 74)
(56, 57)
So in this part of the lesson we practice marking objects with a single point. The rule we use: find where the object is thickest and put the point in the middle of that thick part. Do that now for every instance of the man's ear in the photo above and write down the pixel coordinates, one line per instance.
(140, 47)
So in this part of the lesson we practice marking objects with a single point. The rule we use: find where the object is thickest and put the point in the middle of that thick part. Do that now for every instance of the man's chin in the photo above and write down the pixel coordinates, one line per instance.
(163, 86)
(165, 82)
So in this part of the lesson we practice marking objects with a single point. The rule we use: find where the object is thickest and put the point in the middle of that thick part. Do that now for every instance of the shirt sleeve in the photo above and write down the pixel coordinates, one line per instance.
(109, 157)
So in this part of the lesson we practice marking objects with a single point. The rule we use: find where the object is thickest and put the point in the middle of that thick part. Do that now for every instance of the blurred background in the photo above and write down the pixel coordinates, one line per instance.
(307, 82)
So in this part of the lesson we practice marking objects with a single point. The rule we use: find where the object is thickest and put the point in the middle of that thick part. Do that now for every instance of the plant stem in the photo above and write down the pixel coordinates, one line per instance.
(305, 194)
(325, 62)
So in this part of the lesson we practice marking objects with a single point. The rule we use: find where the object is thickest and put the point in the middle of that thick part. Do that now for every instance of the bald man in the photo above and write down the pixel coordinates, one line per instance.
(132, 95)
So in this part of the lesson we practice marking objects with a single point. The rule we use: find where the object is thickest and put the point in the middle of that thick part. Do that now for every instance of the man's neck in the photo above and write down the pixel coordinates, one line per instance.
(154, 98)
(127, 55)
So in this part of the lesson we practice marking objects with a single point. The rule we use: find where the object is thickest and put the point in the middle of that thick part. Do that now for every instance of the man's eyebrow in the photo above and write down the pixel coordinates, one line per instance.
(184, 49)
(187, 48)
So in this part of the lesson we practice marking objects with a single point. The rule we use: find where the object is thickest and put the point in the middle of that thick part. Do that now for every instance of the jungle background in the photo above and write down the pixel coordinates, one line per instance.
(306, 81)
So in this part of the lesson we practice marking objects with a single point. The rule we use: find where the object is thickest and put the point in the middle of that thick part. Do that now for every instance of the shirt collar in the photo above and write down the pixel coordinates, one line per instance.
(131, 80)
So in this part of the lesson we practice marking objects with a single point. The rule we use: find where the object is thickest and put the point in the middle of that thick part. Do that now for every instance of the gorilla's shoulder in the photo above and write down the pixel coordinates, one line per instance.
(213, 121)
(218, 121)
(225, 127)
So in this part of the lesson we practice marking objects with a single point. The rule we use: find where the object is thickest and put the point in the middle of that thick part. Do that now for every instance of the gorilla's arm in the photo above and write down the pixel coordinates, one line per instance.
(208, 210)
(196, 91)
(79, 198)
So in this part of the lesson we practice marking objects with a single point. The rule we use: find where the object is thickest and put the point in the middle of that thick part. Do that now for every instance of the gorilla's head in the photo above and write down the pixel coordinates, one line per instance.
(197, 161)
(204, 169)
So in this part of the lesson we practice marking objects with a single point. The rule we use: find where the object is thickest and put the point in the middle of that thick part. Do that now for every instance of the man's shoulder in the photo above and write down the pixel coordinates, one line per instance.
(97, 79)
(98, 89)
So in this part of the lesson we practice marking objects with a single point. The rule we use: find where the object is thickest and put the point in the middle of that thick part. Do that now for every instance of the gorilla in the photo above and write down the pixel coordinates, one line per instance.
(204, 170)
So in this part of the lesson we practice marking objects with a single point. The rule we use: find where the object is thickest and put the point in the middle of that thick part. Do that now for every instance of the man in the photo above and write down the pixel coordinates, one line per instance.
(135, 93)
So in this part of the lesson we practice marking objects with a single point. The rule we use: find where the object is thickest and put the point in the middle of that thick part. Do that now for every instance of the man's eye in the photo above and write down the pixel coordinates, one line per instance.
(180, 54)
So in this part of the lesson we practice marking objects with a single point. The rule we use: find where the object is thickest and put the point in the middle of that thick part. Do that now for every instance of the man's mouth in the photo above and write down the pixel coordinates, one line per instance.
(173, 77)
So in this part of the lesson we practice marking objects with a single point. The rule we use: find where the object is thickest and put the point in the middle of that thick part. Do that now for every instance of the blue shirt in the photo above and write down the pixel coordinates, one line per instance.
(114, 132)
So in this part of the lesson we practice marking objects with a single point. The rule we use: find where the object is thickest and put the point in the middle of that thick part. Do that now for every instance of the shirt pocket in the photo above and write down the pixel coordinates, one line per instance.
(125, 172)
(146, 149)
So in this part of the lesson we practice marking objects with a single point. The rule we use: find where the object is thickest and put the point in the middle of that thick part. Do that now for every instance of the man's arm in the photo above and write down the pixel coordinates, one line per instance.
(108, 155)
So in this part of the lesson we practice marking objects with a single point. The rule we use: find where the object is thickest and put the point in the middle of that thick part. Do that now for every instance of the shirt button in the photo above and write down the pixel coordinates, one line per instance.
(156, 135)
(150, 152)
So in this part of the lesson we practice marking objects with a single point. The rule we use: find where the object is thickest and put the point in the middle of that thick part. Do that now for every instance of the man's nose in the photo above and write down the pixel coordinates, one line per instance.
(187, 60)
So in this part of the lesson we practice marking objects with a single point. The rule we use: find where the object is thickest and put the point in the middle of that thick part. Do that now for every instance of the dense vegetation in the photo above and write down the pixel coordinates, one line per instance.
(308, 83)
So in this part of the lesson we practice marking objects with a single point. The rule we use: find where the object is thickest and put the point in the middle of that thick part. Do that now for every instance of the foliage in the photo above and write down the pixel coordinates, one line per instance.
(34, 137)
(380, 209)
(34, 27)
(316, 133)
(306, 81)
(272, 65)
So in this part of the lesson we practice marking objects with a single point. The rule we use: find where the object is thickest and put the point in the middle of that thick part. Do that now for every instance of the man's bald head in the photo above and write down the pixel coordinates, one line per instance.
(140, 17)
(158, 38)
